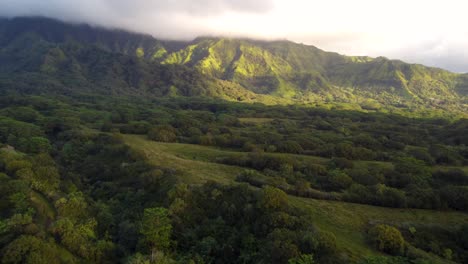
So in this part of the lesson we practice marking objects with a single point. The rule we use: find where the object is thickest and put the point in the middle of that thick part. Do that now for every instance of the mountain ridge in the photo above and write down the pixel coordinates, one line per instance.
(271, 72)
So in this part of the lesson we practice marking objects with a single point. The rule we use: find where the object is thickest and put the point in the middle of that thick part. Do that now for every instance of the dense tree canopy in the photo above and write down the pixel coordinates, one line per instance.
(81, 180)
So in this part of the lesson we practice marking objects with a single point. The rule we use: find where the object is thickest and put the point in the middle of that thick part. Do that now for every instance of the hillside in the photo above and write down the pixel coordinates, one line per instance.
(197, 166)
(234, 69)
(116, 147)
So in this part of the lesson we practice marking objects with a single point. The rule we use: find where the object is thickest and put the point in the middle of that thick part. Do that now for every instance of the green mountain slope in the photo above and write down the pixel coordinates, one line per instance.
(305, 73)
(233, 69)
(116, 147)
(77, 61)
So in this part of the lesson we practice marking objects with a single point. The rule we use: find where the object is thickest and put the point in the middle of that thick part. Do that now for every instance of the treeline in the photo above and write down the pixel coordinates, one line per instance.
(85, 196)
(100, 202)
(70, 208)
(351, 135)
(405, 186)
(399, 170)
(72, 193)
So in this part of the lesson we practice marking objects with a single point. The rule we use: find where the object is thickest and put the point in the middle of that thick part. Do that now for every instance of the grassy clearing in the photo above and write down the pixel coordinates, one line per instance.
(255, 120)
(465, 168)
(346, 220)
(195, 170)
(212, 154)
(204, 153)
(349, 221)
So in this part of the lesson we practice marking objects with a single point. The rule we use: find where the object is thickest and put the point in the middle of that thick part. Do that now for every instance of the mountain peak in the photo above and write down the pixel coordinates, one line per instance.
(258, 69)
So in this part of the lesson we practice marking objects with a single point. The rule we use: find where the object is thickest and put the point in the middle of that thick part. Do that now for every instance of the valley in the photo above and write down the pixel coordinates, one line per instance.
(117, 147)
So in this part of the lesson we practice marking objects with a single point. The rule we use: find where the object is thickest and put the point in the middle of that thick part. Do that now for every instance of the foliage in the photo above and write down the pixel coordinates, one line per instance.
(29, 249)
(79, 181)
(156, 228)
(302, 259)
(163, 134)
(387, 239)
(234, 69)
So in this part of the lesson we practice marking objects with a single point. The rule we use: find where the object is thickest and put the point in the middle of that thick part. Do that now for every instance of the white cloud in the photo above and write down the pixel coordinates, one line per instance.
(433, 32)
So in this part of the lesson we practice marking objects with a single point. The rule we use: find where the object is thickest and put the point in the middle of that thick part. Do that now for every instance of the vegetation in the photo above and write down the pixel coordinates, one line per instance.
(387, 238)
(278, 72)
(113, 149)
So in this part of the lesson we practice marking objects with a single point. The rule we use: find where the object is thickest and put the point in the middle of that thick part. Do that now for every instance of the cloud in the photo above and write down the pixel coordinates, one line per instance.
(131, 8)
(431, 32)
(448, 52)
(175, 19)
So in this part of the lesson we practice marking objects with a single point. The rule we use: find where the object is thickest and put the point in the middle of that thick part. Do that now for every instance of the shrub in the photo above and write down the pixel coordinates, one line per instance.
(162, 134)
(341, 163)
(387, 239)
(338, 180)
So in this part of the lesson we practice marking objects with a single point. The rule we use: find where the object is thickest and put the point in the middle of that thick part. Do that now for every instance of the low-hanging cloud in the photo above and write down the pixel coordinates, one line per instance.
(108, 10)
(430, 32)
(162, 18)
(189, 7)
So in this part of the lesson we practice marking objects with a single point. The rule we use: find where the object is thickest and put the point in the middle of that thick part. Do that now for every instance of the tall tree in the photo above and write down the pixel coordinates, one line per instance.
(156, 229)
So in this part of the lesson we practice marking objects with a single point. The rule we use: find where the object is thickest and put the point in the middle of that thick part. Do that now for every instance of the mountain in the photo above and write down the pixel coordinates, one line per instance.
(271, 72)
(116, 147)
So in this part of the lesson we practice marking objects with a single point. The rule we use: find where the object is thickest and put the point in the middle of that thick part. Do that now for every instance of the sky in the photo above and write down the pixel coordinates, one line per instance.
(430, 32)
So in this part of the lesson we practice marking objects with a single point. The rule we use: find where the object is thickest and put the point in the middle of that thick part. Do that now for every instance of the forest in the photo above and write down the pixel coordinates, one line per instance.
(74, 191)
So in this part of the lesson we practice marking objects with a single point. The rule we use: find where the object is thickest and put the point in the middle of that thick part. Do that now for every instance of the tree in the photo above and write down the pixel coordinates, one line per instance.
(340, 163)
(344, 150)
(385, 260)
(273, 198)
(302, 259)
(13, 166)
(156, 229)
(391, 197)
(22, 113)
(46, 179)
(163, 134)
(290, 146)
(411, 170)
(363, 176)
(76, 237)
(338, 180)
(73, 206)
(455, 197)
(301, 187)
(280, 246)
(455, 176)
(326, 243)
(387, 239)
(159, 258)
(29, 249)
(38, 145)
(421, 154)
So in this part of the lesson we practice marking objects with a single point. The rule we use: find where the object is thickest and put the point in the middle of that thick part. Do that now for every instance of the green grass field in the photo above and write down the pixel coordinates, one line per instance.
(347, 221)
(212, 154)
(465, 168)
(255, 120)
(190, 160)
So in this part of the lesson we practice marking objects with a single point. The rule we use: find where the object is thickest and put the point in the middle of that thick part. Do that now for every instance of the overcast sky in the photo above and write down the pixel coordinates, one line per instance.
(430, 32)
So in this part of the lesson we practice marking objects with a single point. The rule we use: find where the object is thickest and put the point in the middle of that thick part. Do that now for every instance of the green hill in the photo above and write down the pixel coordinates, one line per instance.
(271, 72)
(347, 220)
(307, 74)
(116, 147)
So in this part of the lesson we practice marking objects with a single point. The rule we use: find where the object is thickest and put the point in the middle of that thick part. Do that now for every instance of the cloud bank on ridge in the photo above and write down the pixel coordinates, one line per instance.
(430, 32)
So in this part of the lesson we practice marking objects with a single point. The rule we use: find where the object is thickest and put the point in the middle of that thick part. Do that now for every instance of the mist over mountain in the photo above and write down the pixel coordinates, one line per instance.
(118, 147)
(247, 70)
(436, 37)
